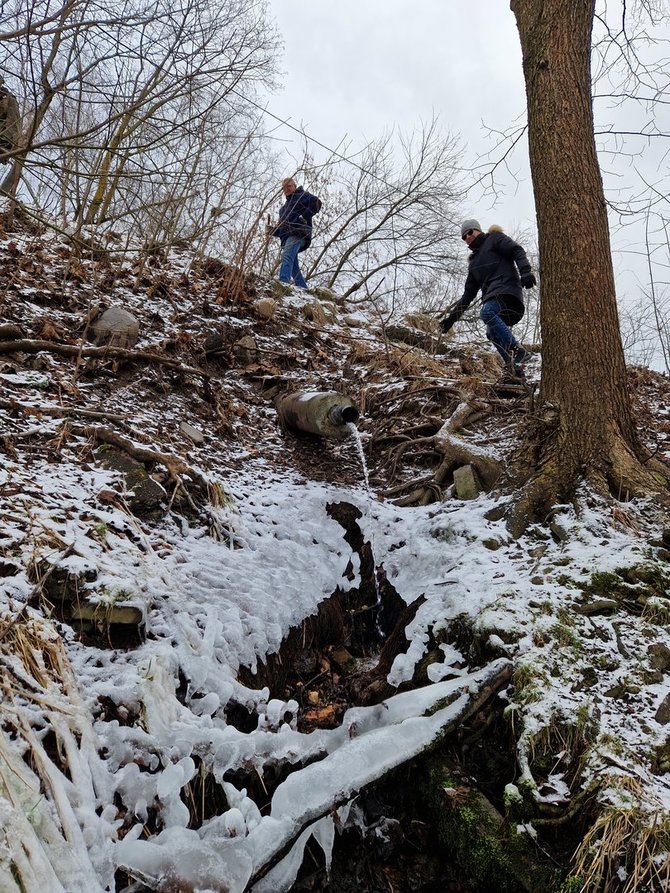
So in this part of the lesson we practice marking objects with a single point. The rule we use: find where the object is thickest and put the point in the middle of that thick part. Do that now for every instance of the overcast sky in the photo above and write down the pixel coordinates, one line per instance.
(357, 69)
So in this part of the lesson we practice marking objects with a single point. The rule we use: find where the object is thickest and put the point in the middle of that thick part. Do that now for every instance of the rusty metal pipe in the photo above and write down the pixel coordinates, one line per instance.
(325, 413)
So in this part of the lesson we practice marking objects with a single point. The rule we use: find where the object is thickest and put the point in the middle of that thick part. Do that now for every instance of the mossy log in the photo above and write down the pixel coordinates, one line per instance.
(486, 847)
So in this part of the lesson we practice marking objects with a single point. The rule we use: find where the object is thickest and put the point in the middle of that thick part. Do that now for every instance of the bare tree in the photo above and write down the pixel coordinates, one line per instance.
(133, 105)
(387, 213)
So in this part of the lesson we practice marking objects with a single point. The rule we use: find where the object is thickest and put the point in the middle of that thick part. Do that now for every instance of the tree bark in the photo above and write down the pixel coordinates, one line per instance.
(592, 434)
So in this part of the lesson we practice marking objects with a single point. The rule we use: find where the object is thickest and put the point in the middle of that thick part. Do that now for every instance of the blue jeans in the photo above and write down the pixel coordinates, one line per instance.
(289, 269)
(498, 332)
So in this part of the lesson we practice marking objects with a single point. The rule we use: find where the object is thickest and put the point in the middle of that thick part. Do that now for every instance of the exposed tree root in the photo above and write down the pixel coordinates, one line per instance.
(623, 477)
(454, 450)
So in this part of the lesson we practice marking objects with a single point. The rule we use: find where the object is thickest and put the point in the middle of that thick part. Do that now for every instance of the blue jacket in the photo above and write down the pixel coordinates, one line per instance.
(495, 264)
(295, 217)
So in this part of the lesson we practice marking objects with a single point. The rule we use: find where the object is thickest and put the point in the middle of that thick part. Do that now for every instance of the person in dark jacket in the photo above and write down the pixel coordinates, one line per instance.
(499, 268)
(295, 230)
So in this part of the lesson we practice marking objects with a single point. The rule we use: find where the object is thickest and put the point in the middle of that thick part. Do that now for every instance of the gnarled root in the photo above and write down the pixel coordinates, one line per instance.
(622, 475)
(455, 451)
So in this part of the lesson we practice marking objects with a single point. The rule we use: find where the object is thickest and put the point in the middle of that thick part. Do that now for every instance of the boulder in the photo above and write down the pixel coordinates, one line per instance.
(145, 496)
(116, 327)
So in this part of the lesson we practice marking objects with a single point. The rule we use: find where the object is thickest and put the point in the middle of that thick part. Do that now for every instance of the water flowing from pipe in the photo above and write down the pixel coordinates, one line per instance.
(356, 434)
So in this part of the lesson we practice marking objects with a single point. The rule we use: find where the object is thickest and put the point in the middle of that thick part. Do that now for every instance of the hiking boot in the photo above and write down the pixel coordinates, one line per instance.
(519, 358)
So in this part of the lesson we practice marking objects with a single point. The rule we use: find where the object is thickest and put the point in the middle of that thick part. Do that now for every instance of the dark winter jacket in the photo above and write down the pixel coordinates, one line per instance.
(295, 217)
(495, 265)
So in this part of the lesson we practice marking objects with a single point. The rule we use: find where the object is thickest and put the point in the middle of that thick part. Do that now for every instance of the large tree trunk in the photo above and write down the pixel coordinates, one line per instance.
(587, 428)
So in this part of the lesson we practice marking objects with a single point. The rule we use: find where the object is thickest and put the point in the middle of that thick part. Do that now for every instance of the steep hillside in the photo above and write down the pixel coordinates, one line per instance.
(226, 661)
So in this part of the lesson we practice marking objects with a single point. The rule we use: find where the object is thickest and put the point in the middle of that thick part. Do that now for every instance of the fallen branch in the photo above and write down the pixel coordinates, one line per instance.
(63, 411)
(32, 345)
(175, 466)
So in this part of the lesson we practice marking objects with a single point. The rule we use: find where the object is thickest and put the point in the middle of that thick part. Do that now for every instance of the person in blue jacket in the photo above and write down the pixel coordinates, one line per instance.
(498, 266)
(294, 229)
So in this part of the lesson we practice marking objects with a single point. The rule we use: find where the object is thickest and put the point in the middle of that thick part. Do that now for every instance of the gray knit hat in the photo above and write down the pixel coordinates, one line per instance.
(468, 225)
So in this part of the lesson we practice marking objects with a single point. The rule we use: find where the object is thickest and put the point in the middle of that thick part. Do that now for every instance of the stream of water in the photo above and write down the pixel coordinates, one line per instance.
(356, 434)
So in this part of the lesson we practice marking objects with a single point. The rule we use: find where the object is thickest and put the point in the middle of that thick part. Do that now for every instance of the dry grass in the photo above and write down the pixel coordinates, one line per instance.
(398, 361)
(36, 646)
(628, 848)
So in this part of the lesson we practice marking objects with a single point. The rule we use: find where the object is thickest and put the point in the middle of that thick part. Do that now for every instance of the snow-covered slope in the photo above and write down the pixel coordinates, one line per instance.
(108, 744)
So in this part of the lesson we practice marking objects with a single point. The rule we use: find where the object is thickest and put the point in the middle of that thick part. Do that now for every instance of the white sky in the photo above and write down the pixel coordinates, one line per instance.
(357, 69)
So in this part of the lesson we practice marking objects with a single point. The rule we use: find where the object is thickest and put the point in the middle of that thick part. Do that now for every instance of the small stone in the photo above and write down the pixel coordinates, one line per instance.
(196, 436)
(560, 532)
(313, 698)
(497, 513)
(343, 660)
(265, 307)
(663, 712)
(492, 543)
(659, 656)
(245, 350)
(465, 481)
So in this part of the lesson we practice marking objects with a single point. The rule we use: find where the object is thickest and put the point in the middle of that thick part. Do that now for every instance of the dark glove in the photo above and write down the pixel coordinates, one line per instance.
(528, 280)
(446, 324)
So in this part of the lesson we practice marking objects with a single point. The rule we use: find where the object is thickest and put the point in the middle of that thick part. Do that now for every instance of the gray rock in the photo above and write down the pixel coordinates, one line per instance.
(196, 436)
(659, 656)
(145, 496)
(466, 483)
(245, 350)
(663, 712)
(116, 327)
